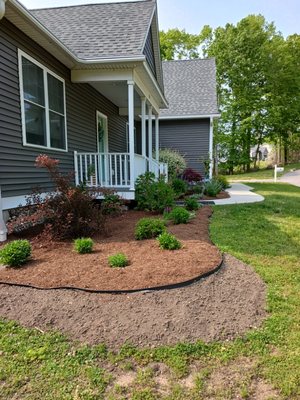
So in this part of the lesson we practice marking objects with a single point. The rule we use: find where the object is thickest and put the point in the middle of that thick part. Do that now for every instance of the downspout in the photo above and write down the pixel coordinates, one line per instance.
(211, 139)
(2, 8)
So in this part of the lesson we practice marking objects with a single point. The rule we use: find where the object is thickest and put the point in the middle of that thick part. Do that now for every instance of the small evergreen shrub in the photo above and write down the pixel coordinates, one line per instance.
(168, 242)
(15, 253)
(179, 215)
(212, 188)
(111, 204)
(191, 204)
(223, 181)
(83, 245)
(118, 260)
(191, 175)
(176, 162)
(148, 228)
(152, 195)
(179, 186)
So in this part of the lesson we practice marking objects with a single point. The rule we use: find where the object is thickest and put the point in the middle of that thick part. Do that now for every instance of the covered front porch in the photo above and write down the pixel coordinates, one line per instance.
(138, 98)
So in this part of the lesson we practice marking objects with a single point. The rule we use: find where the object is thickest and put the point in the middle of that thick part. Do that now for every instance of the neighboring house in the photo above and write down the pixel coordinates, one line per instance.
(265, 152)
(187, 124)
(75, 83)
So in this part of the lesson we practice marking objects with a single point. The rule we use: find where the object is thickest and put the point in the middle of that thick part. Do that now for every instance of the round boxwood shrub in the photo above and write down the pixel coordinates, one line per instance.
(179, 215)
(168, 242)
(118, 260)
(191, 204)
(148, 228)
(83, 245)
(179, 186)
(15, 253)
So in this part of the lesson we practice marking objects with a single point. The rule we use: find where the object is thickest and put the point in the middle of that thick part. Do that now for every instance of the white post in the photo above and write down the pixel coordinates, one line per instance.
(211, 139)
(2, 8)
(131, 131)
(275, 173)
(157, 137)
(76, 168)
(3, 229)
(143, 126)
(150, 136)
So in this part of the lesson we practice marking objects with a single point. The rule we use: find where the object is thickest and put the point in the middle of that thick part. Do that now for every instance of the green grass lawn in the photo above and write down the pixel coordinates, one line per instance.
(266, 235)
(263, 173)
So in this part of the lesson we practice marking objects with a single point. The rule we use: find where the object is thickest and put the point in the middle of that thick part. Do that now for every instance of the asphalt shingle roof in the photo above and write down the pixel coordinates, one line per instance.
(100, 30)
(190, 87)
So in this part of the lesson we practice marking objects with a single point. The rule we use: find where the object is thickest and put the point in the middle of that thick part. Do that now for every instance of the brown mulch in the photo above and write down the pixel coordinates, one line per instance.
(57, 265)
(221, 195)
(220, 307)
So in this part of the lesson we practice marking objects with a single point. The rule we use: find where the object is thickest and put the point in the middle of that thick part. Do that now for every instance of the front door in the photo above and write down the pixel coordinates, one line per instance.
(102, 143)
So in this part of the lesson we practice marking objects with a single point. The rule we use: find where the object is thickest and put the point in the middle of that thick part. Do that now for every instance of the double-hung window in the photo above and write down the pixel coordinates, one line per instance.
(42, 104)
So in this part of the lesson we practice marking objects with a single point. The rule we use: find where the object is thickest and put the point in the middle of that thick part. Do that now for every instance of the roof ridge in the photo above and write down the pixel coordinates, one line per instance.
(194, 59)
(91, 4)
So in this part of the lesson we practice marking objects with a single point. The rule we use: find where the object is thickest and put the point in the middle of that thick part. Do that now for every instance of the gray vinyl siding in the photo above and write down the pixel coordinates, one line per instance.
(149, 52)
(17, 172)
(189, 137)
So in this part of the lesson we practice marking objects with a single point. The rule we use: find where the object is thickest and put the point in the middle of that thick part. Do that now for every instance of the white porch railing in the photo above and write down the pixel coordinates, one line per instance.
(112, 170)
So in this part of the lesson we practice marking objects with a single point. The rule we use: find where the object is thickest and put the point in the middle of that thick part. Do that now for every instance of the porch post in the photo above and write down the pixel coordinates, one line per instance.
(150, 136)
(211, 156)
(131, 132)
(143, 126)
(157, 137)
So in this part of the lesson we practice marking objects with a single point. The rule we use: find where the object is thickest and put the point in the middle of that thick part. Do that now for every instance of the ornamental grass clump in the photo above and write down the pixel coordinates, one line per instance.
(179, 215)
(83, 245)
(168, 242)
(212, 188)
(15, 253)
(118, 260)
(148, 228)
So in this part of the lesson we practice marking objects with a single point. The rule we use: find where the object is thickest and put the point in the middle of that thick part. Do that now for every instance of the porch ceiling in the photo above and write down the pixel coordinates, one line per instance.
(116, 92)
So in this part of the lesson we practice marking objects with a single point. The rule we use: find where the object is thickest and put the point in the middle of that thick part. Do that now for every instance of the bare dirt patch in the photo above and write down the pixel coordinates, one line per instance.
(57, 265)
(222, 306)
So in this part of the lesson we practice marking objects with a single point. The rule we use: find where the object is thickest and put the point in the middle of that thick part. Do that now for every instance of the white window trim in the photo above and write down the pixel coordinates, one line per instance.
(45, 71)
(100, 114)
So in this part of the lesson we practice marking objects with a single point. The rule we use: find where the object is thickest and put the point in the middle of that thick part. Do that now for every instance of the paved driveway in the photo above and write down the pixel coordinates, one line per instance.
(291, 177)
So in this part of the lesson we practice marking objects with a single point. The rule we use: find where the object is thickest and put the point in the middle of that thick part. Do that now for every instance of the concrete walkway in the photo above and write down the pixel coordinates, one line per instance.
(292, 178)
(240, 194)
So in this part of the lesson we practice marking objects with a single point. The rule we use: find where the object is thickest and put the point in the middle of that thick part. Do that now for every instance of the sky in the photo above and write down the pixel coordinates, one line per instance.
(192, 15)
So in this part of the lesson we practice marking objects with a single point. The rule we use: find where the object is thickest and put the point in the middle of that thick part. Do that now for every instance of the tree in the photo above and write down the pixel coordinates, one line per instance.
(178, 44)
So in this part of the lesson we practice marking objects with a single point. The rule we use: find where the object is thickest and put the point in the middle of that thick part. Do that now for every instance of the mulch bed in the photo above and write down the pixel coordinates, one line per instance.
(57, 265)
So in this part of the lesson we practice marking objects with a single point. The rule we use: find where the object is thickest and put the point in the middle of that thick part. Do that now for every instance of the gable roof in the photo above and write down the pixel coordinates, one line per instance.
(190, 88)
(97, 31)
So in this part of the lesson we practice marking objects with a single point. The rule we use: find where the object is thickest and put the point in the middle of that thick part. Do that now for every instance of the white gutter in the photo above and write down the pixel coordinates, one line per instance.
(154, 81)
(200, 116)
(2, 8)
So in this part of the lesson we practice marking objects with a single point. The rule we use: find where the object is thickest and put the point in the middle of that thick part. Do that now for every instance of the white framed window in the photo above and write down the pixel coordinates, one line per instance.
(43, 105)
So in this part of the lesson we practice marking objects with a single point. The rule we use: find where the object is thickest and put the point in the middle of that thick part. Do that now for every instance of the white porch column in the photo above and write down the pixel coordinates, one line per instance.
(3, 229)
(143, 126)
(150, 135)
(131, 131)
(211, 139)
(157, 137)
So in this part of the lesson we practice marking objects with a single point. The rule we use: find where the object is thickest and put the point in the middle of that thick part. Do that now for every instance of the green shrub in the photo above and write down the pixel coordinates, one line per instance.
(179, 186)
(212, 188)
(15, 253)
(148, 228)
(111, 204)
(152, 195)
(176, 163)
(168, 242)
(191, 204)
(223, 181)
(118, 260)
(83, 245)
(179, 215)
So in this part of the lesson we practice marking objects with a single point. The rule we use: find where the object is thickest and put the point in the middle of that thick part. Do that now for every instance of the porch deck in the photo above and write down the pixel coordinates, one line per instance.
(113, 170)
